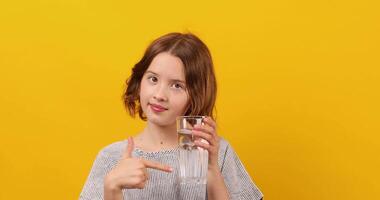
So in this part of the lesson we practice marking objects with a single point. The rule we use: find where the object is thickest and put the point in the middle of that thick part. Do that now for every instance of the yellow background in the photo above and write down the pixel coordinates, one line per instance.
(298, 99)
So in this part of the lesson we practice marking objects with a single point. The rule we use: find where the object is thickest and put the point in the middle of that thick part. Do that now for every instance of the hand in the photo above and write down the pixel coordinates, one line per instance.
(208, 132)
(131, 172)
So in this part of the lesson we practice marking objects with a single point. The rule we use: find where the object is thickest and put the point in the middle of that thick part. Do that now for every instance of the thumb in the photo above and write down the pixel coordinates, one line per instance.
(129, 149)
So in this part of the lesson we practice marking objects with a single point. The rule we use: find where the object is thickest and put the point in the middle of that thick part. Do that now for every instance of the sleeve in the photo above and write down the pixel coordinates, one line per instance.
(93, 187)
(237, 180)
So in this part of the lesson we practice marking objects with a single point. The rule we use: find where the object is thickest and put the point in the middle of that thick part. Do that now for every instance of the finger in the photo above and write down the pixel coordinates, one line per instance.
(203, 135)
(146, 174)
(205, 128)
(158, 166)
(141, 185)
(210, 122)
(129, 149)
(203, 145)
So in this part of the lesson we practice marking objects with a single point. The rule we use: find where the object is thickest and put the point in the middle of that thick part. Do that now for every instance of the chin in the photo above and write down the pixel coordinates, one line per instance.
(160, 120)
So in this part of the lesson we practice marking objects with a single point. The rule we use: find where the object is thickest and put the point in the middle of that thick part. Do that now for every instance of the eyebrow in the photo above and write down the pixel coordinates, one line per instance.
(148, 71)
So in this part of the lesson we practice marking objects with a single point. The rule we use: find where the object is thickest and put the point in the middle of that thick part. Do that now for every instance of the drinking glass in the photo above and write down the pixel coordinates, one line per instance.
(193, 160)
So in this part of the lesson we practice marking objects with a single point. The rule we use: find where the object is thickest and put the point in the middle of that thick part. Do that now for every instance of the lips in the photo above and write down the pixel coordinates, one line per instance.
(157, 108)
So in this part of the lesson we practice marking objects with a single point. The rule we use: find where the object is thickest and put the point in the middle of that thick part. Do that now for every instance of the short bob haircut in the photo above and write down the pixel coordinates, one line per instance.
(198, 67)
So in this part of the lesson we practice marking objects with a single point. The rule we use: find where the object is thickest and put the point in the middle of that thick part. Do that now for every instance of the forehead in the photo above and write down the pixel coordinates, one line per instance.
(167, 65)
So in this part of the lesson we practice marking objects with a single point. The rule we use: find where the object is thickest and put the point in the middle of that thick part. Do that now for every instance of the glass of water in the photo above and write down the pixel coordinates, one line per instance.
(193, 160)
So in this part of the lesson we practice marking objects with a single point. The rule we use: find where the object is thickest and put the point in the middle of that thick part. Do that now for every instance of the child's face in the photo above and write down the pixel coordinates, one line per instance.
(163, 93)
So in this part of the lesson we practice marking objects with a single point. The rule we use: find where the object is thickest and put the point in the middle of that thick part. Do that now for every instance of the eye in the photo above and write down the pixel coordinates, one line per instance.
(153, 79)
(178, 86)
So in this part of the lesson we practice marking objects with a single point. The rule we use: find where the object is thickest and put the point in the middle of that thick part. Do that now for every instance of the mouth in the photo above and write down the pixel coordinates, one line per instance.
(157, 108)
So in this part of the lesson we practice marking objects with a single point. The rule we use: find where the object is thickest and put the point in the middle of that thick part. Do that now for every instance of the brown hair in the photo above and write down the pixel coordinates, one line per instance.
(198, 67)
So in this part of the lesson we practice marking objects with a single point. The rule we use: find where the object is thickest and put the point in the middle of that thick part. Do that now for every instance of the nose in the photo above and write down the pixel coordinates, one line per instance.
(160, 93)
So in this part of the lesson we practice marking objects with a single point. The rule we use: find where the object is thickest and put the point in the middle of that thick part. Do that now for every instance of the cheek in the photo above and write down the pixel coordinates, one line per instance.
(144, 93)
(182, 103)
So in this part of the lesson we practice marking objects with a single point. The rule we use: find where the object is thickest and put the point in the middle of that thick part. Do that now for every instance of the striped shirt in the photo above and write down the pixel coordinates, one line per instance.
(164, 186)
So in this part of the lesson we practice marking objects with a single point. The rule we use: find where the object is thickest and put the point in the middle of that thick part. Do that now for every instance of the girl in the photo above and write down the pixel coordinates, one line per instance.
(174, 77)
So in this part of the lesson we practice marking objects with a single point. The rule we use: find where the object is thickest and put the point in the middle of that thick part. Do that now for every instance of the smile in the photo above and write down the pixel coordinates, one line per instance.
(157, 108)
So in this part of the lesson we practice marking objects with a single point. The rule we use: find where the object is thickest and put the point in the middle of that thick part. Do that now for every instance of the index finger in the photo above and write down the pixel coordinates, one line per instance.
(210, 122)
(156, 165)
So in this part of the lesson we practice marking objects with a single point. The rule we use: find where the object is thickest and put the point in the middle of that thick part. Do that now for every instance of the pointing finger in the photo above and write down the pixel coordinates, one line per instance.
(158, 166)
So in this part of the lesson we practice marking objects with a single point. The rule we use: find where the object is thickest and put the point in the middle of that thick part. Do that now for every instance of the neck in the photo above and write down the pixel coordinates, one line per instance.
(154, 137)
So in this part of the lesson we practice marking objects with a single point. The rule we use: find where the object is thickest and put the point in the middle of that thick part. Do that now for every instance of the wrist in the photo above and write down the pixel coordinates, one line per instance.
(110, 184)
(215, 185)
(214, 174)
(213, 169)
(111, 190)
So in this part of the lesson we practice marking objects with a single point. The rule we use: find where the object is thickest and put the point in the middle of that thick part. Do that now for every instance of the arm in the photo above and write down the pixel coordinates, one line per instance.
(238, 181)
(217, 190)
(129, 173)
(111, 191)
(232, 181)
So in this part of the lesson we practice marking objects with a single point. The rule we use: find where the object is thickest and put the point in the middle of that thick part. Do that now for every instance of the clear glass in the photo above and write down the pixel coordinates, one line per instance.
(193, 160)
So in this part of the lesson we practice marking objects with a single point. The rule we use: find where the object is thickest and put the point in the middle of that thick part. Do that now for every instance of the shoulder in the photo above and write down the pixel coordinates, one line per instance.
(113, 150)
(224, 150)
(224, 145)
